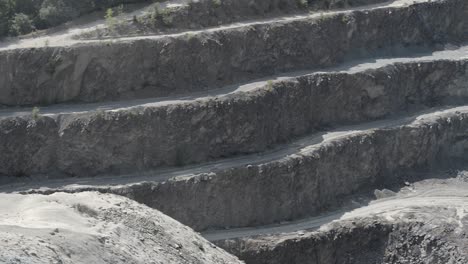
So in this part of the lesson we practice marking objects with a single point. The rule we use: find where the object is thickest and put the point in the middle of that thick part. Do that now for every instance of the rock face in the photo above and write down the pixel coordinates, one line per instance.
(359, 241)
(300, 179)
(260, 134)
(423, 223)
(163, 66)
(96, 228)
(104, 142)
(309, 181)
(209, 13)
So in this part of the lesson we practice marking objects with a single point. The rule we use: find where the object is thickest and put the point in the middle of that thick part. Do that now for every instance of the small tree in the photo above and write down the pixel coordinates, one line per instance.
(35, 113)
(269, 85)
(21, 24)
(111, 21)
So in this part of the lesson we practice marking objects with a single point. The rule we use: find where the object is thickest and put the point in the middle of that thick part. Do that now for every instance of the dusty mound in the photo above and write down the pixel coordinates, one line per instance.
(96, 228)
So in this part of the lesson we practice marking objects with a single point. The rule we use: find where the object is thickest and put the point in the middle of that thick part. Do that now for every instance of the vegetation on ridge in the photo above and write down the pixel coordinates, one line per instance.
(18, 17)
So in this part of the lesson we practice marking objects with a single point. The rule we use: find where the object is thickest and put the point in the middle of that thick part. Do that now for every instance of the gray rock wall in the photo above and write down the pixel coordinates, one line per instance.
(307, 184)
(171, 65)
(367, 241)
(145, 138)
(357, 243)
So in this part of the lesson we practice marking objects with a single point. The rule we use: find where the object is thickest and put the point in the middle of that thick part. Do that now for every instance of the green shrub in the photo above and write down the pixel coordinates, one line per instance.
(17, 16)
(28, 7)
(269, 85)
(155, 14)
(346, 18)
(303, 4)
(55, 12)
(216, 3)
(189, 36)
(111, 21)
(166, 15)
(120, 10)
(21, 24)
(35, 113)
